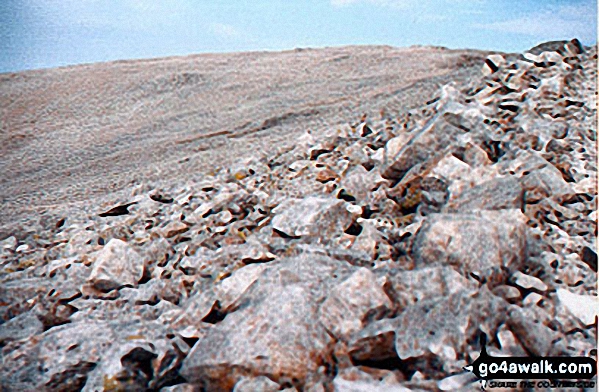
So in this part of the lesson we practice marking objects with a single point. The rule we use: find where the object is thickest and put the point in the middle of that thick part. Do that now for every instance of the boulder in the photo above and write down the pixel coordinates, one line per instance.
(485, 244)
(117, 265)
(314, 218)
(497, 194)
(343, 313)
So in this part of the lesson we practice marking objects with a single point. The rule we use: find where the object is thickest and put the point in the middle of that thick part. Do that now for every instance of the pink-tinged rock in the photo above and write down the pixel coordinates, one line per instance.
(424, 144)
(273, 329)
(486, 244)
(277, 337)
(444, 326)
(116, 265)
(253, 384)
(497, 194)
(313, 217)
(344, 313)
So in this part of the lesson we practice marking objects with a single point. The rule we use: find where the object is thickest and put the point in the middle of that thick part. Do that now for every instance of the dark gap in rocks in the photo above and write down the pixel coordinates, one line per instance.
(565, 174)
(154, 300)
(72, 379)
(101, 241)
(284, 235)
(433, 100)
(369, 165)
(208, 213)
(354, 229)
(478, 278)
(118, 210)
(207, 189)
(162, 199)
(60, 223)
(249, 260)
(190, 341)
(391, 363)
(366, 212)
(139, 362)
(316, 153)
(589, 256)
(578, 198)
(494, 68)
(366, 131)
(215, 316)
(343, 195)
(508, 107)
(493, 150)
(183, 239)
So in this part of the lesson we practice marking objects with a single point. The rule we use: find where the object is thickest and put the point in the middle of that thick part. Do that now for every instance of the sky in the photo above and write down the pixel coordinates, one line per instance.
(49, 33)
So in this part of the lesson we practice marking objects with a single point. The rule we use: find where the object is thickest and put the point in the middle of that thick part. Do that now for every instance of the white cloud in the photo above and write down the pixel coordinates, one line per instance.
(565, 21)
(224, 30)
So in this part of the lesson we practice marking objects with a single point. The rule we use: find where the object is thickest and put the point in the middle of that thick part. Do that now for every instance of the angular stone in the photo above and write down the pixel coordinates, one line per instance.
(424, 144)
(261, 383)
(497, 194)
(174, 228)
(376, 342)
(233, 288)
(359, 182)
(486, 243)
(545, 182)
(584, 307)
(452, 321)
(528, 282)
(343, 313)
(357, 379)
(411, 287)
(117, 264)
(528, 325)
(23, 326)
(312, 217)
(277, 337)
(274, 330)
(451, 168)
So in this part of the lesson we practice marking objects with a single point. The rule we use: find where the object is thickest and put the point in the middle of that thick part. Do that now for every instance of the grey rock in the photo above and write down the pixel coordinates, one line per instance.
(116, 265)
(425, 143)
(528, 282)
(486, 243)
(343, 313)
(444, 326)
(257, 384)
(312, 217)
(497, 194)
(23, 326)
(276, 337)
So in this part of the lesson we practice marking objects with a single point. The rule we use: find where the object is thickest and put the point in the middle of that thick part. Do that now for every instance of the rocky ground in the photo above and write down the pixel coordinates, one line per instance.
(71, 137)
(369, 258)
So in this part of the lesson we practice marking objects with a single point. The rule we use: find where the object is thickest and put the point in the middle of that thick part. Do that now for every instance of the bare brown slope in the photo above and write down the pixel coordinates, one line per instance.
(75, 134)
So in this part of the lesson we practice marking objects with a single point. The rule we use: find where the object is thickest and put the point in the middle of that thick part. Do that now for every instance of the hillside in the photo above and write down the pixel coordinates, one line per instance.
(75, 134)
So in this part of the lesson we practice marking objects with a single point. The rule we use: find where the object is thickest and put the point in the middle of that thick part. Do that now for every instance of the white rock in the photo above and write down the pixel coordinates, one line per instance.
(9, 243)
(117, 264)
(529, 282)
(22, 248)
(457, 381)
(583, 307)
(532, 299)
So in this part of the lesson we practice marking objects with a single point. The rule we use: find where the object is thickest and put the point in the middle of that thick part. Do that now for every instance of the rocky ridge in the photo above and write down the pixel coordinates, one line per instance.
(368, 259)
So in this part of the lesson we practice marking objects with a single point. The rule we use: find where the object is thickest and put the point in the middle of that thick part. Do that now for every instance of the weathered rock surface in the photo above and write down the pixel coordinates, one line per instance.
(117, 265)
(367, 259)
(486, 244)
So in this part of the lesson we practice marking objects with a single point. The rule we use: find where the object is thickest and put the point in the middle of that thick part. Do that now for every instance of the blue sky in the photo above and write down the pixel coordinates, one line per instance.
(49, 33)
